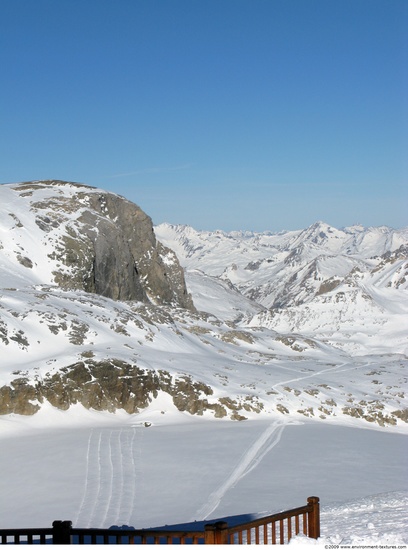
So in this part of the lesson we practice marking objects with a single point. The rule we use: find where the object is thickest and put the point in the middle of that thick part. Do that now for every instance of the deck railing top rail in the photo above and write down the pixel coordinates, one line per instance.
(270, 519)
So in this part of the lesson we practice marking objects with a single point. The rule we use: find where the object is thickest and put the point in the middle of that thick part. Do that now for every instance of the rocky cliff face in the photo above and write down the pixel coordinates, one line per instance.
(101, 243)
(107, 385)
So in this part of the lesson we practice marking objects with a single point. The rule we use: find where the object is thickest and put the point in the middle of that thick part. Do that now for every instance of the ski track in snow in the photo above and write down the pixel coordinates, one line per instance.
(86, 486)
(132, 497)
(109, 495)
(251, 458)
(110, 468)
(92, 483)
(125, 495)
(119, 479)
(323, 371)
(98, 476)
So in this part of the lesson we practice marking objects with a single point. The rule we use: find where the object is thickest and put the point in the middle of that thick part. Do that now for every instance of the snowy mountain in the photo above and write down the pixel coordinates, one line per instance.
(344, 287)
(125, 351)
(81, 238)
(95, 310)
(290, 268)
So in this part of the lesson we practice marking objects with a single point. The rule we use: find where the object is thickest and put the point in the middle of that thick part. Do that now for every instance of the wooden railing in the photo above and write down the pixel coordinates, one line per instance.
(274, 529)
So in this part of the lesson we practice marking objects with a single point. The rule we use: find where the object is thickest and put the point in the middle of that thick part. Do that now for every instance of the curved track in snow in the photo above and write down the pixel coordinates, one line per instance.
(250, 459)
(113, 469)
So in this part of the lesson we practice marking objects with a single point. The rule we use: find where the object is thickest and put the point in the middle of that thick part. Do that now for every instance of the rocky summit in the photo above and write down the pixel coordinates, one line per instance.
(91, 240)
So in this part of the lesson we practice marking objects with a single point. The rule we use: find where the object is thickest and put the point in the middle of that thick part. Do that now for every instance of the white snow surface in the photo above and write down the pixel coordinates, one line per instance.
(101, 470)
(324, 371)
(297, 264)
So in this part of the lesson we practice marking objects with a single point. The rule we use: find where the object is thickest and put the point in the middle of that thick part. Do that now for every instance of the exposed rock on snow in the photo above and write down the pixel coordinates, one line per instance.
(285, 269)
(310, 323)
(346, 287)
(83, 238)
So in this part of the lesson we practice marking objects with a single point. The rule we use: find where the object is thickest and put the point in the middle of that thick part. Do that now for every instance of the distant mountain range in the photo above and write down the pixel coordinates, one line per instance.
(319, 281)
(100, 308)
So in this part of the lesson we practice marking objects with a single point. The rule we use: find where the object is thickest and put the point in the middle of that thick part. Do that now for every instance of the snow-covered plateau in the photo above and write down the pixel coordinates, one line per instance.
(164, 375)
(103, 470)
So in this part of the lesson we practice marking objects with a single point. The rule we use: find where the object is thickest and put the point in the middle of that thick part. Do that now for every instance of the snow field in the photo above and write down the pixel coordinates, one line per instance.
(183, 469)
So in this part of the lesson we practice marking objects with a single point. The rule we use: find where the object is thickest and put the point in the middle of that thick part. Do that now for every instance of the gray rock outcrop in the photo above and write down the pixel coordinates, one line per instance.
(106, 245)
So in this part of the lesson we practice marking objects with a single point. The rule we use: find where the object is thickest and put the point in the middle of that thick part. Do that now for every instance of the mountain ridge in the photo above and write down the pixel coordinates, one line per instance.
(229, 325)
(292, 267)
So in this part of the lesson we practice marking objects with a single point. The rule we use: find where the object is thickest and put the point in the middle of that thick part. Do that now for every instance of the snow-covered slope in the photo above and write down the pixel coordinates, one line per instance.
(289, 268)
(334, 350)
(220, 298)
(302, 333)
(347, 287)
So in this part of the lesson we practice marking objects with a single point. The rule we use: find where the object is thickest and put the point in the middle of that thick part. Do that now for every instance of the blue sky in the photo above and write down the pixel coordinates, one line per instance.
(221, 114)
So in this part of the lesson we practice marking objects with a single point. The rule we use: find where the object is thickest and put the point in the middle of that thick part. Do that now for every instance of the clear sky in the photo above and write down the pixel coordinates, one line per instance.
(220, 114)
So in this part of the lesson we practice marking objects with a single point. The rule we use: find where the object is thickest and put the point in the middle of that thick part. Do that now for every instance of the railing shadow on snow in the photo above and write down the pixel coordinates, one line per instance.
(244, 529)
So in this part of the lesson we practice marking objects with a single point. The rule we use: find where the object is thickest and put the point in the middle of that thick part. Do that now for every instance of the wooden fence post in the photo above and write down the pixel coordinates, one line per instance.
(216, 533)
(209, 537)
(313, 519)
(61, 532)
